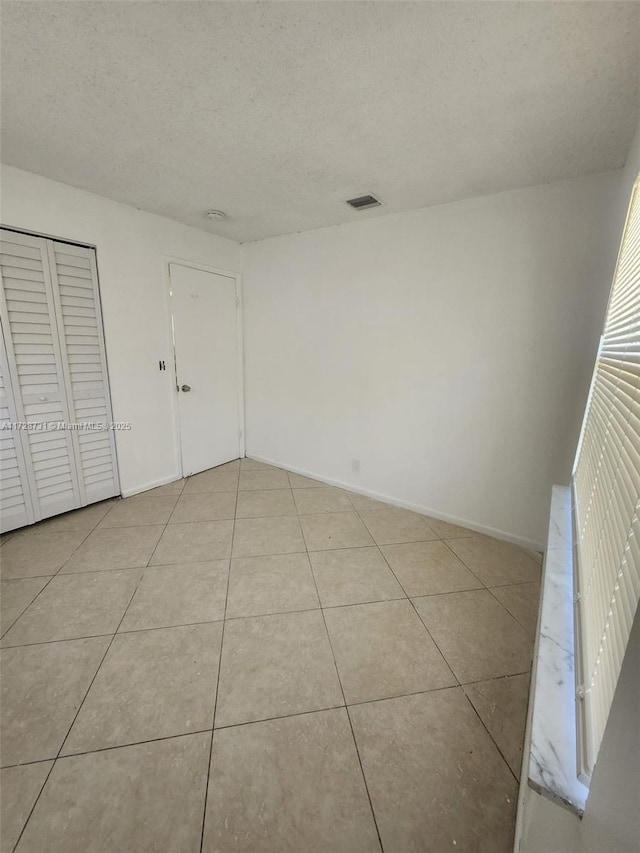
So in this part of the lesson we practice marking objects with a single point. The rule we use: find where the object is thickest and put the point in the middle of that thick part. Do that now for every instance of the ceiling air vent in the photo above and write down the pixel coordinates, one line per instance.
(363, 202)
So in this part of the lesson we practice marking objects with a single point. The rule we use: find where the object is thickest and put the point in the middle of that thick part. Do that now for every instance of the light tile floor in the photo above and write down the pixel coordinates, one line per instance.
(252, 661)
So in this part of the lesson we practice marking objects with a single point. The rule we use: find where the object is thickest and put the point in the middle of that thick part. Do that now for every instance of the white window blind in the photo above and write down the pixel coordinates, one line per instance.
(606, 489)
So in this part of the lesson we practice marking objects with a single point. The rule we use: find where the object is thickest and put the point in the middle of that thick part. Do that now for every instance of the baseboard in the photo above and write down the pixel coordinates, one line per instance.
(136, 490)
(423, 510)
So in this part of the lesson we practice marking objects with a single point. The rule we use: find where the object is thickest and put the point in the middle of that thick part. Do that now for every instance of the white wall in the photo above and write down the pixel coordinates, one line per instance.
(130, 246)
(449, 349)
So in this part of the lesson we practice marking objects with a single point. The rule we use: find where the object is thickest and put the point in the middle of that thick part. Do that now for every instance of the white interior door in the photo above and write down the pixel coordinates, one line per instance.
(205, 334)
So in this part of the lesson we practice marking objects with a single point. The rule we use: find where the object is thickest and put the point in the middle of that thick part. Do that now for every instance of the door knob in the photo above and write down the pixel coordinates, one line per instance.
(186, 388)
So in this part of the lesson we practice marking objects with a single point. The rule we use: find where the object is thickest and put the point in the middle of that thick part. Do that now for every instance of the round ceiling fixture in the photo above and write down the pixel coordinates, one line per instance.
(216, 215)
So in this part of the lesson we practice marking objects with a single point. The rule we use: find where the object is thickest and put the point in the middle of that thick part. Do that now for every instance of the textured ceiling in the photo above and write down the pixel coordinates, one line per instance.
(276, 112)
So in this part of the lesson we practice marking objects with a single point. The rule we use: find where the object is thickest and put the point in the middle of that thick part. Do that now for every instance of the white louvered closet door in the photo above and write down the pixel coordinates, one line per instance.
(15, 502)
(75, 289)
(53, 340)
(35, 370)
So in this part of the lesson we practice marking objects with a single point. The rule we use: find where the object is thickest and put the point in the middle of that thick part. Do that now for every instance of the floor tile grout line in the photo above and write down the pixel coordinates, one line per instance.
(250, 517)
(483, 587)
(22, 612)
(38, 594)
(513, 616)
(453, 673)
(51, 577)
(26, 763)
(364, 779)
(110, 748)
(58, 756)
(266, 719)
(113, 637)
(29, 529)
(31, 534)
(405, 695)
(486, 585)
(62, 574)
(121, 633)
(155, 547)
(108, 512)
(234, 618)
(57, 640)
(494, 741)
(433, 640)
(311, 609)
(56, 573)
(453, 592)
(344, 705)
(458, 682)
(35, 803)
(447, 592)
(513, 583)
(102, 526)
(206, 621)
(181, 495)
(272, 613)
(479, 579)
(495, 678)
(80, 706)
(215, 702)
(344, 698)
(296, 514)
(75, 550)
(251, 556)
(242, 723)
(468, 568)
(170, 627)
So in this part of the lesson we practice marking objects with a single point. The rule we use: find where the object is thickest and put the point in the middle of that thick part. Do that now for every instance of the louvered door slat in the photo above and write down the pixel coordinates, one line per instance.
(16, 261)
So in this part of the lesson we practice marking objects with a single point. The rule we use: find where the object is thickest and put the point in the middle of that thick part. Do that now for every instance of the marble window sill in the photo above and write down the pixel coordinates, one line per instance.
(552, 767)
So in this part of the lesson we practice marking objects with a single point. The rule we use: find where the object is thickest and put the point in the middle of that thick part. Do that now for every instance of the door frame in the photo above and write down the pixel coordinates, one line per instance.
(167, 260)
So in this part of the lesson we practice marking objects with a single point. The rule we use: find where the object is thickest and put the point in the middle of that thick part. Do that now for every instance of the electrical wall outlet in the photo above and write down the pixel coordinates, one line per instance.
(355, 466)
